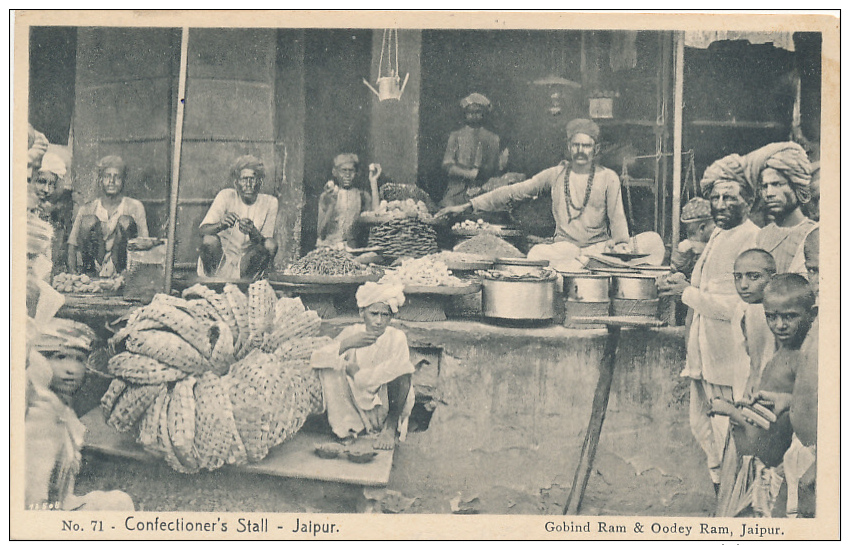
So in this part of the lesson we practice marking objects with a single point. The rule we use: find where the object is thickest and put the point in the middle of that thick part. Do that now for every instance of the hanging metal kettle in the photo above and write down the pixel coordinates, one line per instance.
(389, 82)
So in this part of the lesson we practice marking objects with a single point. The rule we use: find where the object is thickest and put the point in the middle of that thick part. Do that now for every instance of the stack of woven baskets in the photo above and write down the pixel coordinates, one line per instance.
(408, 237)
(212, 379)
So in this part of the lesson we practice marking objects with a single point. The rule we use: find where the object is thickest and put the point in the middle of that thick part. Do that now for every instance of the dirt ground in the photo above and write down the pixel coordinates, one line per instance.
(616, 487)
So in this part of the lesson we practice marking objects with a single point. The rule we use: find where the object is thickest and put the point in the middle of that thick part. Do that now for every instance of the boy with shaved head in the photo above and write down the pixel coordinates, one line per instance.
(753, 339)
(761, 426)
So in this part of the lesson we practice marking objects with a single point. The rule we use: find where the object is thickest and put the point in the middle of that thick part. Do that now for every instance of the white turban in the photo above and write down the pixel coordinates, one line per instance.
(51, 162)
(371, 293)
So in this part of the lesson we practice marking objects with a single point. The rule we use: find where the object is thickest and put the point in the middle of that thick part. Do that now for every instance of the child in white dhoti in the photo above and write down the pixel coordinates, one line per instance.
(366, 372)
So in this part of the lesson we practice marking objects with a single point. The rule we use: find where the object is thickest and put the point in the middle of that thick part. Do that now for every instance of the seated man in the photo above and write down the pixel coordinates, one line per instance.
(238, 230)
(54, 204)
(55, 372)
(587, 205)
(340, 204)
(97, 245)
(472, 153)
(366, 372)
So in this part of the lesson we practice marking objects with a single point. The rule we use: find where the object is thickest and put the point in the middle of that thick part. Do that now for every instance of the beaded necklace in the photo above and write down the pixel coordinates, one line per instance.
(569, 199)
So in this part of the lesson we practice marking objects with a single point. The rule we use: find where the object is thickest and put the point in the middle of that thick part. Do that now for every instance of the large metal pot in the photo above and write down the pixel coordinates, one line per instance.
(587, 288)
(519, 265)
(519, 299)
(635, 286)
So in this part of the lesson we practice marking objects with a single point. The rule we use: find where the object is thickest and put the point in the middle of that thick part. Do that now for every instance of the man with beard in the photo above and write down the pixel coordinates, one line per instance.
(97, 244)
(783, 173)
(238, 230)
(472, 154)
(587, 205)
(712, 299)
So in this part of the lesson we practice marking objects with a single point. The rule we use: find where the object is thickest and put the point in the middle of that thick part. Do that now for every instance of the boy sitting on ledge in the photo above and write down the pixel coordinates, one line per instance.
(366, 372)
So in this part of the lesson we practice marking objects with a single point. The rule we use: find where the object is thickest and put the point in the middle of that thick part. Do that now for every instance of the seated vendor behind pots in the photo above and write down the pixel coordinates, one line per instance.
(696, 217)
(238, 230)
(366, 372)
(97, 245)
(341, 203)
(587, 205)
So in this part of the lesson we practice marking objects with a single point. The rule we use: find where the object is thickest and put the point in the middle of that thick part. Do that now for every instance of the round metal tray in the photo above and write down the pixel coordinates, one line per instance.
(502, 232)
(443, 290)
(324, 278)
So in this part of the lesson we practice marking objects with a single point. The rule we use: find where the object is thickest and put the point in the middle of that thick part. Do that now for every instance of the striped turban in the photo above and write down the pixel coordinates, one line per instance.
(728, 169)
(788, 158)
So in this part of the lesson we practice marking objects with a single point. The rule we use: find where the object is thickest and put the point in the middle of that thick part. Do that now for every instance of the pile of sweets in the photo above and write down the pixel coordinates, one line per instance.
(212, 379)
(488, 245)
(82, 283)
(401, 192)
(472, 225)
(329, 261)
(394, 210)
(426, 271)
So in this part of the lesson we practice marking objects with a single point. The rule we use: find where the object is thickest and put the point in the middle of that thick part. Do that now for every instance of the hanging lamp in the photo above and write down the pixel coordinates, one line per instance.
(388, 76)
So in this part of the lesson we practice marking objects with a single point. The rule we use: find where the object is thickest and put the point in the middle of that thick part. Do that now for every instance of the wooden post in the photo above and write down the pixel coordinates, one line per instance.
(678, 99)
(597, 417)
(175, 163)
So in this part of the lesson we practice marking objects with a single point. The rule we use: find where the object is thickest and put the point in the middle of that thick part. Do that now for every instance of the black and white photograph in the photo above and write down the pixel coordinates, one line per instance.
(555, 271)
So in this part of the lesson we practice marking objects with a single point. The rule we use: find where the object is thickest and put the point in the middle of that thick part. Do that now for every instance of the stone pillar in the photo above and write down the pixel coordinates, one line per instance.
(290, 111)
(394, 127)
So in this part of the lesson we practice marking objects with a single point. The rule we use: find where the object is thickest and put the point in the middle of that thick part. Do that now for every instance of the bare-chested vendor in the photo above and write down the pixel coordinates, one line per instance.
(238, 230)
(97, 244)
(587, 205)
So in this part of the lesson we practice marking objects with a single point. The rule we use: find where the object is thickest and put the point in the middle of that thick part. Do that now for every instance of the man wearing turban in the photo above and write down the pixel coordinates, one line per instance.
(238, 230)
(712, 298)
(472, 153)
(587, 205)
(366, 372)
(783, 174)
(97, 244)
(54, 204)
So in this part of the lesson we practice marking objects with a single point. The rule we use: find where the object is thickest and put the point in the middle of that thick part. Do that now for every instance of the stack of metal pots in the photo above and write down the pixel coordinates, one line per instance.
(586, 295)
(623, 294)
(634, 295)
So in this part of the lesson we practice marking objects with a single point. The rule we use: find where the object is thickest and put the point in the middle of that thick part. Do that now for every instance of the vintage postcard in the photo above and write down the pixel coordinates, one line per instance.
(351, 275)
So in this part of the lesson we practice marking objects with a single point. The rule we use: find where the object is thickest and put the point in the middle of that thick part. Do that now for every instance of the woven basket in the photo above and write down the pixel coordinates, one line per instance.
(635, 307)
(584, 308)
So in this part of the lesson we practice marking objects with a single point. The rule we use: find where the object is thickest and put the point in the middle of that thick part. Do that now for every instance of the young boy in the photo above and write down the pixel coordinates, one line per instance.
(753, 339)
(800, 459)
(54, 434)
(761, 427)
(696, 217)
(366, 373)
